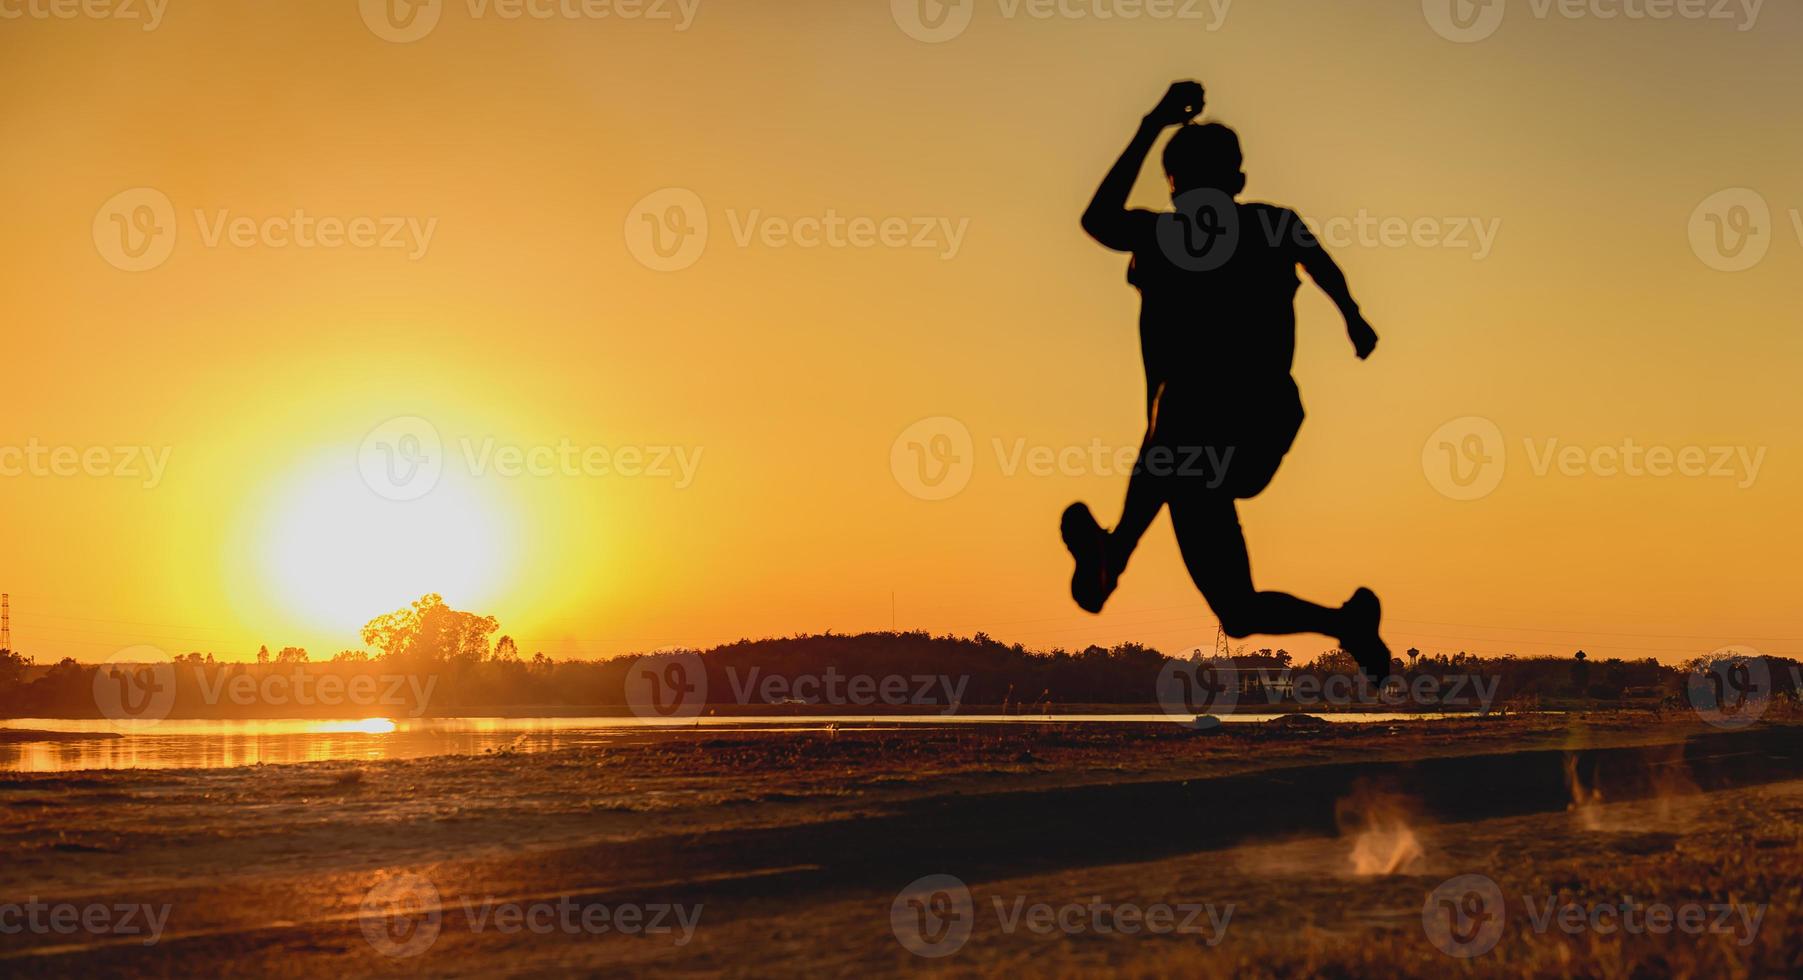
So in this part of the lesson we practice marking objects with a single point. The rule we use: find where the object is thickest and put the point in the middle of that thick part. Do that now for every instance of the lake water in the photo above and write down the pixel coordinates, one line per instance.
(189, 744)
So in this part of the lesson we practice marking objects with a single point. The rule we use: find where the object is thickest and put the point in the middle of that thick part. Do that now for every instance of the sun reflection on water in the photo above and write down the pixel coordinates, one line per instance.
(367, 726)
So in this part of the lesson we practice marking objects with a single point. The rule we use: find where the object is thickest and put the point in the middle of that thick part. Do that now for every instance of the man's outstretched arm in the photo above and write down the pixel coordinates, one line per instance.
(1107, 219)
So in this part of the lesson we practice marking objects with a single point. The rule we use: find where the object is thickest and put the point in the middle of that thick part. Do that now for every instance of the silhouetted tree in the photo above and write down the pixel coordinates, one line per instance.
(430, 631)
(506, 651)
(12, 667)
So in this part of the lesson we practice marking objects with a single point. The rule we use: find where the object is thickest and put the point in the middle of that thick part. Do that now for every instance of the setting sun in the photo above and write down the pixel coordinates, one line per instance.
(333, 552)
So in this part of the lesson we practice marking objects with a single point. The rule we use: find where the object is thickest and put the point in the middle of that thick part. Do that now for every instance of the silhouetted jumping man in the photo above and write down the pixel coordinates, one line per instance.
(1217, 281)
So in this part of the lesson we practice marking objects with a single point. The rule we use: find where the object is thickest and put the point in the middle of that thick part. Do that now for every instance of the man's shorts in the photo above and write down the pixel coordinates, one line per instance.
(1221, 438)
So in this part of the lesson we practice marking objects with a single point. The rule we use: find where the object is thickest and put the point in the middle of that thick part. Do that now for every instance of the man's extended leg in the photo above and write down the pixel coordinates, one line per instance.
(1214, 550)
(1145, 497)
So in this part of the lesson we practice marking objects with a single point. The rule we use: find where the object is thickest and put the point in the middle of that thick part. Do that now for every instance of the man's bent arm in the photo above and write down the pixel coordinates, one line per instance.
(1107, 219)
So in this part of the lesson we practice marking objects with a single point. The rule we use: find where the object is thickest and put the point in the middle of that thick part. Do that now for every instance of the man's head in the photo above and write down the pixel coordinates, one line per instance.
(1205, 155)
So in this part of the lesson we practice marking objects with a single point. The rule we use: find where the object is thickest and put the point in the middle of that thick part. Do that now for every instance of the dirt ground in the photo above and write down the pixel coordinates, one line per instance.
(1140, 850)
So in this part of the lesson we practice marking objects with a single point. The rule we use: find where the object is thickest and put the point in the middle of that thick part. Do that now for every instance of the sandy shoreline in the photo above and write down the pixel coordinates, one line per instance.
(811, 819)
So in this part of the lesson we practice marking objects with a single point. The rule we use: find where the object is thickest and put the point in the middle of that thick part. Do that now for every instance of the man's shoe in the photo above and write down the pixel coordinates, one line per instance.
(1093, 581)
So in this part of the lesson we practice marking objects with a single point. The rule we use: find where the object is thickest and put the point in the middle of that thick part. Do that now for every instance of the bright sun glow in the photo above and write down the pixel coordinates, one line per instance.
(334, 553)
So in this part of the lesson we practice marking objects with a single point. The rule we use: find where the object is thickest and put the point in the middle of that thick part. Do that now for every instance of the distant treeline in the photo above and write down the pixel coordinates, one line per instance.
(881, 671)
(432, 660)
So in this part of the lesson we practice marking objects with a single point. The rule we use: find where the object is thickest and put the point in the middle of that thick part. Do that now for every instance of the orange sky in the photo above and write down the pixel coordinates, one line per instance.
(891, 236)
